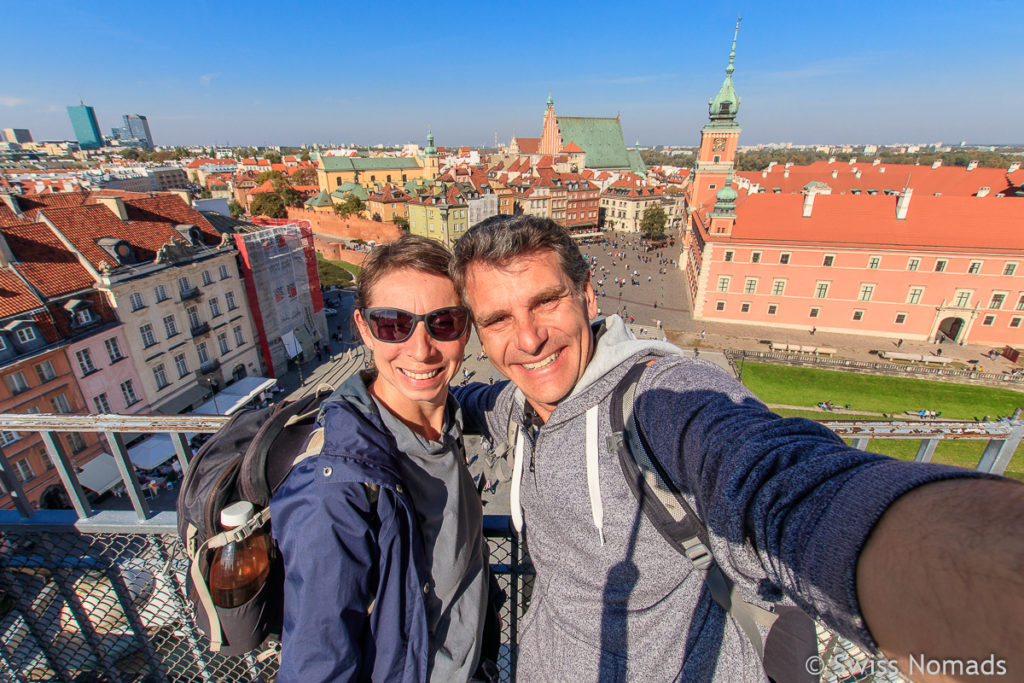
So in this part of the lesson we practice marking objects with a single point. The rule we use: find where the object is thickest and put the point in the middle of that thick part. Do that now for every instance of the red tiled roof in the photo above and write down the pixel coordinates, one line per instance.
(946, 180)
(572, 148)
(15, 296)
(45, 261)
(528, 145)
(931, 222)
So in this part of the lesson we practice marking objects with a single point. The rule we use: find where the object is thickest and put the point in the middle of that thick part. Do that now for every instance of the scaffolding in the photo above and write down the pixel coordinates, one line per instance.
(286, 291)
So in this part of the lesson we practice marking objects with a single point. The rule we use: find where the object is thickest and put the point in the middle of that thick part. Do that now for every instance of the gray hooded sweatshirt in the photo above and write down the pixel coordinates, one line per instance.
(787, 503)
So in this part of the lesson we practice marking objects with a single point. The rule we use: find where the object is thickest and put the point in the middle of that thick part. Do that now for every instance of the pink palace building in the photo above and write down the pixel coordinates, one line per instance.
(897, 251)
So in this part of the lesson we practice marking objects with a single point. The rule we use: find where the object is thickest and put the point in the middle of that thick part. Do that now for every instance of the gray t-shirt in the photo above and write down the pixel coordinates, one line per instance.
(451, 522)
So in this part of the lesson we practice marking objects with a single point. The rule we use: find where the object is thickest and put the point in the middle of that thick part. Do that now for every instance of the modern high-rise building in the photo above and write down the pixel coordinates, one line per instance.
(87, 131)
(17, 135)
(135, 128)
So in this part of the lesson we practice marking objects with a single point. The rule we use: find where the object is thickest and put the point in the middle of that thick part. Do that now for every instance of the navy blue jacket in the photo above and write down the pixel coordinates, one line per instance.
(354, 569)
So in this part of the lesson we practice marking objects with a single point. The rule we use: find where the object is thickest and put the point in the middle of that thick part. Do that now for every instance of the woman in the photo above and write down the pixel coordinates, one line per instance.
(385, 561)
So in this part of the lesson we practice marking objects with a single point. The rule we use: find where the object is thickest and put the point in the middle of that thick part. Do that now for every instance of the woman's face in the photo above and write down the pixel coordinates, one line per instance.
(417, 370)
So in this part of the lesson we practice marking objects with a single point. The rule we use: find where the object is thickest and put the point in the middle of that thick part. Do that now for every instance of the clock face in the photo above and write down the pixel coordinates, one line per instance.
(718, 144)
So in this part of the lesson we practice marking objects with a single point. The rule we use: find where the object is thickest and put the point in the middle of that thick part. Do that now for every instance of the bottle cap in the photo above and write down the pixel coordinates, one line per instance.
(236, 514)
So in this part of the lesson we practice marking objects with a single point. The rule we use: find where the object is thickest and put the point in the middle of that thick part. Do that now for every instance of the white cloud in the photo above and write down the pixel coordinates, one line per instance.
(11, 101)
(205, 79)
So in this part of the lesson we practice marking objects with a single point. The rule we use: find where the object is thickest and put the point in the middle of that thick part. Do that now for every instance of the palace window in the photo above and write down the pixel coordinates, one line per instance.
(755, 257)
(914, 295)
(913, 263)
(1009, 269)
(988, 320)
(750, 286)
(784, 258)
(720, 306)
(828, 260)
(873, 262)
(940, 266)
(778, 287)
(1015, 321)
(997, 301)
(723, 284)
(728, 256)
(974, 268)
(772, 308)
(866, 291)
(814, 312)
(901, 318)
(858, 315)
(744, 307)
(821, 290)
(962, 298)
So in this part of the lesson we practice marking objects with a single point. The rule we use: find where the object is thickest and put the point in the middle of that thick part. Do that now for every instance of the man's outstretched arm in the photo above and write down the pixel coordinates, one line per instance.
(941, 577)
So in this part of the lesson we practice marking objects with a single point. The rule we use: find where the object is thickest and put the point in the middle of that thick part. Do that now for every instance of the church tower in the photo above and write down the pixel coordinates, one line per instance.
(431, 161)
(550, 137)
(716, 158)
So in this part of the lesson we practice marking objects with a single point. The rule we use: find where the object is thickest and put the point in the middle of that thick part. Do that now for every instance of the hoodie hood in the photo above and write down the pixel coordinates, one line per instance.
(615, 345)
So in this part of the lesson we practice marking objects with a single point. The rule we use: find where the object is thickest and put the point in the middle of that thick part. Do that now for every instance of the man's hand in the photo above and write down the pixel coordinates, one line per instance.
(942, 578)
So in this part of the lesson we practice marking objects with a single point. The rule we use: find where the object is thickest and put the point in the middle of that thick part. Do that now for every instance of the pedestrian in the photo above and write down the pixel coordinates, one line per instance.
(327, 350)
(899, 343)
(703, 333)
(813, 330)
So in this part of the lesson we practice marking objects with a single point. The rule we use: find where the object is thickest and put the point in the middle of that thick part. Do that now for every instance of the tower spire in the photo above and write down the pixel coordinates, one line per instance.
(722, 107)
(732, 53)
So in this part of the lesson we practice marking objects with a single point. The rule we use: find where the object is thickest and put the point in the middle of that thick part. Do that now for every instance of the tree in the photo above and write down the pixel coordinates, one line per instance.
(653, 223)
(304, 176)
(376, 217)
(305, 156)
(352, 204)
(268, 204)
(269, 175)
(206, 194)
(235, 208)
(272, 157)
(402, 222)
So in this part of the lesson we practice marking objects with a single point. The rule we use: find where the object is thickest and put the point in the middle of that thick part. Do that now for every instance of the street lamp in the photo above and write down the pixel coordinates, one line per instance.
(213, 388)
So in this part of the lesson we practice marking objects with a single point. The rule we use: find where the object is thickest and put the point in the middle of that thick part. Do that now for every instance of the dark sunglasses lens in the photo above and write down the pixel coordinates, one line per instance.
(390, 325)
(447, 324)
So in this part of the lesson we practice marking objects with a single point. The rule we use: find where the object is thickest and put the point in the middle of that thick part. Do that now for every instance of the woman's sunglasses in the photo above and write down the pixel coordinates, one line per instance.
(393, 325)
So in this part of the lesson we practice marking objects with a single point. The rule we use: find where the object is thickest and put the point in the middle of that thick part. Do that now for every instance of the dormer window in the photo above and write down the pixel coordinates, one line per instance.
(119, 249)
(80, 312)
(190, 233)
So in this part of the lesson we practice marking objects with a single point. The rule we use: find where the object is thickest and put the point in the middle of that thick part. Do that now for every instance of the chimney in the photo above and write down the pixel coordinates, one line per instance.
(882, 169)
(185, 195)
(876, 162)
(853, 160)
(764, 174)
(983, 191)
(835, 173)
(1015, 166)
(115, 204)
(808, 204)
(856, 173)
(903, 203)
(831, 160)
(936, 164)
(785, 174)
(971, 165)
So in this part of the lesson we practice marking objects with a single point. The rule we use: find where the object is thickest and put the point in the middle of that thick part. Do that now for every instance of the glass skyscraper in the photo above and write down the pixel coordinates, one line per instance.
(87, 131)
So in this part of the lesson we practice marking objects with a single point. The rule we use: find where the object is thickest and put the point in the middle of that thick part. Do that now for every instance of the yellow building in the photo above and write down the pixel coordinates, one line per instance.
(442, 216)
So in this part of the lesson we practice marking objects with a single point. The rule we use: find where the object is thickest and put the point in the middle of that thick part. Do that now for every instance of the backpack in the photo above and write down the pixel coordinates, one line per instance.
(792, 636)
(247, 459)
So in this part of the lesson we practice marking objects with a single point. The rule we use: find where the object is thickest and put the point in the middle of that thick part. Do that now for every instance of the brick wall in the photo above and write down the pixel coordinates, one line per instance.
(349, 227)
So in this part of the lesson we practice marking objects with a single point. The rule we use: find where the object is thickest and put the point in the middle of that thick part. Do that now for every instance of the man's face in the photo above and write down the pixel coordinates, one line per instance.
(534, 328)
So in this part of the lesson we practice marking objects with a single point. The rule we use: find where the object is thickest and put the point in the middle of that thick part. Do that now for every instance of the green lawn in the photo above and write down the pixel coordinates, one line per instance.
(338, 273)
(804, 386)
(877, 394)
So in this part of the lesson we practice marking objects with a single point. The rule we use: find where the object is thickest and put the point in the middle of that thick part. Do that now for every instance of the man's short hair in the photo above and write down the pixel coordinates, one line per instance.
(408, 251)
(498, 240)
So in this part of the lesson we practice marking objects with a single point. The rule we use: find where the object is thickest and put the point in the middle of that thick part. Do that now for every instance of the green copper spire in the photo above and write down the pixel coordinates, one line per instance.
(551, 102)
(430, 150)
(723, 107)
(725, 200)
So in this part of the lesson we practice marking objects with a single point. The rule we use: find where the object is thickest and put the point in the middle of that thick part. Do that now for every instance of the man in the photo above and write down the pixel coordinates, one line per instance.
(918, 559)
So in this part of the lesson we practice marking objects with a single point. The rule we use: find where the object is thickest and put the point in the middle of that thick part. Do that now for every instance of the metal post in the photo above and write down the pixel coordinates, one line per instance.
(67, 474)
(128, 476)
(182, 449)
(926, 450)
(860, 442)
(999, 452)
(13, 485)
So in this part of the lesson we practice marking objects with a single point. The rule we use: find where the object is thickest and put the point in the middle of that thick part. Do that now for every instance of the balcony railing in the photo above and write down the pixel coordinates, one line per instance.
(199, 330)
(190, 293)
(100, 594)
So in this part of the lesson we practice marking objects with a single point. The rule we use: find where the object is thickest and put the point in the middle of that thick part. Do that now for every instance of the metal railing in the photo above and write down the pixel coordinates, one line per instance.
(100, 595)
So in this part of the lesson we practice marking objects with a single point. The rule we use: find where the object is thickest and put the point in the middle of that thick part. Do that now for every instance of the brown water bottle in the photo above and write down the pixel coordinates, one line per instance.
(239, 568)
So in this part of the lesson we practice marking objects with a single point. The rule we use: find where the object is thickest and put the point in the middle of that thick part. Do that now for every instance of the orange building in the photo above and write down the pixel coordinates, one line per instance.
(901, 252)
(387, 203)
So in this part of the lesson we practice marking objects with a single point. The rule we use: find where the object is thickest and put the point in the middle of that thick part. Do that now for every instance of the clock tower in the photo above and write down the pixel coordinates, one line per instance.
(718, 139)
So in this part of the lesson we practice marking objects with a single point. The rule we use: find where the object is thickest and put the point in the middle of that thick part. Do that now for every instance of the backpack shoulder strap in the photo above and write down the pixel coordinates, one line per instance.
(667, 509)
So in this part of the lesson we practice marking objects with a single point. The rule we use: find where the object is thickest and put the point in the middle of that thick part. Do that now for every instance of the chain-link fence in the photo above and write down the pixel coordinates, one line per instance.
(110, 607)
(90, 607)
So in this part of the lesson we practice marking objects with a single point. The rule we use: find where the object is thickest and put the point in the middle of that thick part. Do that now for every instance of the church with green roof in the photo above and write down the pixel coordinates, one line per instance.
(600, 138)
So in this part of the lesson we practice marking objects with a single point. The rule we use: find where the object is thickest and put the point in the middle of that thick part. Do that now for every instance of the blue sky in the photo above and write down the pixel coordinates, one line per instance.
(260, 73)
